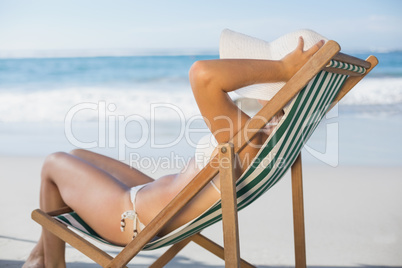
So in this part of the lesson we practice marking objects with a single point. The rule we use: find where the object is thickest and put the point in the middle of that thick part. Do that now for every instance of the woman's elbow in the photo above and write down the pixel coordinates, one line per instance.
(201, 75)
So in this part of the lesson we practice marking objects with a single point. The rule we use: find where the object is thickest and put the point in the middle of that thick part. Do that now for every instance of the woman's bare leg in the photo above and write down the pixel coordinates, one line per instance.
(98, 197)
(121, 171)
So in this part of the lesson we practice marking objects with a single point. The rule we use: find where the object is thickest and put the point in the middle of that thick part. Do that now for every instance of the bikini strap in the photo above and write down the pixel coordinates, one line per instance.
(132, 215)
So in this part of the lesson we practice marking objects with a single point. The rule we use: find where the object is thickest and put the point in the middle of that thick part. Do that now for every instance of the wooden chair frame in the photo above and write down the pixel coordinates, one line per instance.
(231, 252)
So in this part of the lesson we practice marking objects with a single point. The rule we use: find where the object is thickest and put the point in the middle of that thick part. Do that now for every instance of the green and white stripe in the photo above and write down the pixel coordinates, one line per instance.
(276, 156)
(73, 220)
(346, 66)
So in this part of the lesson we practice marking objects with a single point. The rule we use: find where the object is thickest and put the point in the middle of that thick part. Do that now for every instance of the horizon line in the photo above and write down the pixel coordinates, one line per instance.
(95, 53)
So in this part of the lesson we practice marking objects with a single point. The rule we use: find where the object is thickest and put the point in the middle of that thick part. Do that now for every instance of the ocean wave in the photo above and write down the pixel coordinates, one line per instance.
(375, 91)
(162, 101)
(88, 104)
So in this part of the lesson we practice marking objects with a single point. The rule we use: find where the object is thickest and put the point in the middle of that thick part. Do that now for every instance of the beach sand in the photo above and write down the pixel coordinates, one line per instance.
(353, 219)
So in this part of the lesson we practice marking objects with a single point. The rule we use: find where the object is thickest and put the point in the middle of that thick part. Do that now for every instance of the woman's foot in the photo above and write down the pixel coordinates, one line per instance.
(36, 259)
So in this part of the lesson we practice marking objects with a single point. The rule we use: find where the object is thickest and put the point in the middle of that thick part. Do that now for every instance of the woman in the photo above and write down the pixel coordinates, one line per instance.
(104, 191)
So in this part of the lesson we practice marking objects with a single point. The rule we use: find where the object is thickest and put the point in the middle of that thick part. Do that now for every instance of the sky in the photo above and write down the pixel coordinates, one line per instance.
(187, 25)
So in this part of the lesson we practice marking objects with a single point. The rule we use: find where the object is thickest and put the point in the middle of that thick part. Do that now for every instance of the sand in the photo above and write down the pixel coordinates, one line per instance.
(353, 218)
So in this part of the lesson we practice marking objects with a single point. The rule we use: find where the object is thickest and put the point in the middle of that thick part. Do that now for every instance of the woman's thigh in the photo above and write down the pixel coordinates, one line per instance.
(121, 171)
(97, 197)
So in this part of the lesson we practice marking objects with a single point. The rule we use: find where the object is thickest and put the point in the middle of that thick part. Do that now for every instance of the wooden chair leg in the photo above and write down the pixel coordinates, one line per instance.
(216, 249)
(170, 254)
(200, 240)
(298, 214)
(229, 205)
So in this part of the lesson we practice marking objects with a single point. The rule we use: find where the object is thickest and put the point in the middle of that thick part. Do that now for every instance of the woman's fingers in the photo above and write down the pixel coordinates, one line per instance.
(300, 44)
(312, 50)
(315, 48)
(298, 57)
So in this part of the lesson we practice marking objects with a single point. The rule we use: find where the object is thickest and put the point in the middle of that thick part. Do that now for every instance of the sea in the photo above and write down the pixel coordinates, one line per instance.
(140, 109)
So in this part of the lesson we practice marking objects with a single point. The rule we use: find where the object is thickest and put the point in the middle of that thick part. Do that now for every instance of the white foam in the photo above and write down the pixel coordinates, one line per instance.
(375, 91)
(55, 105)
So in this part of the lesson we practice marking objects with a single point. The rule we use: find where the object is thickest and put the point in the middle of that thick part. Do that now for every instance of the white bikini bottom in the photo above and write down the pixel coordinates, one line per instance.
(132, 214)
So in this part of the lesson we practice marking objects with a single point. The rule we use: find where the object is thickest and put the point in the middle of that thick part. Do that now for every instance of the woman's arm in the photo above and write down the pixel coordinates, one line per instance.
(231, 74)
(211, 80)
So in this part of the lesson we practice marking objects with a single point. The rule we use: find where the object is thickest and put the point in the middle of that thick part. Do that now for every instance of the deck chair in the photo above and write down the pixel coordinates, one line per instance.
(311, 92)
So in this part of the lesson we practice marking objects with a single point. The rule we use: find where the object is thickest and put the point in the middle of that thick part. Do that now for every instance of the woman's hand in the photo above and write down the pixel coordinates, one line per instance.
(297, 58)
